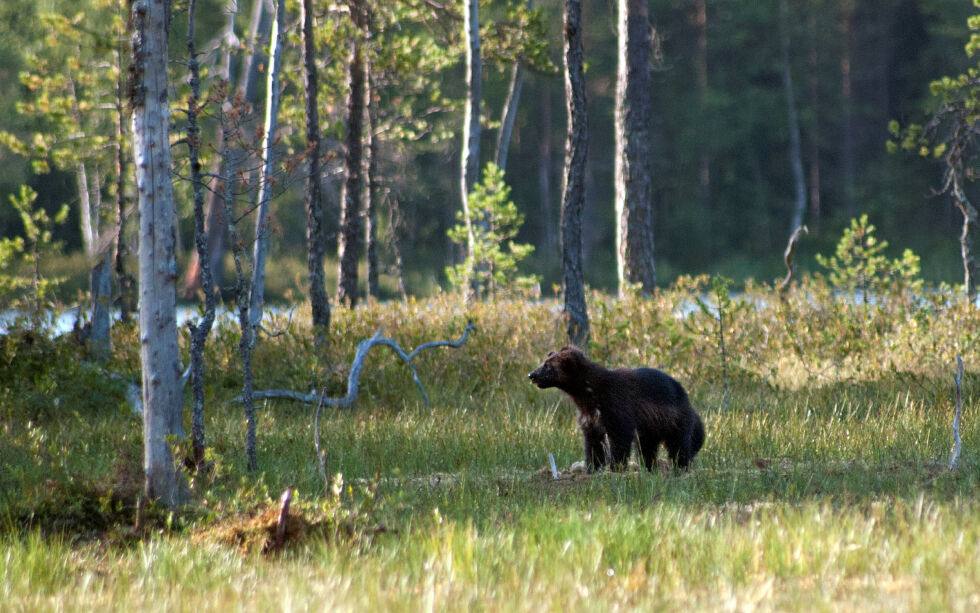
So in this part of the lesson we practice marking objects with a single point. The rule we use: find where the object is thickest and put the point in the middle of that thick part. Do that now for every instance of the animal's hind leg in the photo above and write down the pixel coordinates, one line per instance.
(648, 445)
(619, 449)
(680, 453)
(595, 448)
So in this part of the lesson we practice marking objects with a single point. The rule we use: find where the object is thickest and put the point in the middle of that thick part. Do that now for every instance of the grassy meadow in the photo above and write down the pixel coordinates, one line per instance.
(823, 484)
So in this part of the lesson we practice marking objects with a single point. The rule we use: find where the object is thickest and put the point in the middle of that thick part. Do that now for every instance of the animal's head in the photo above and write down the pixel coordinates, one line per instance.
(563, 369)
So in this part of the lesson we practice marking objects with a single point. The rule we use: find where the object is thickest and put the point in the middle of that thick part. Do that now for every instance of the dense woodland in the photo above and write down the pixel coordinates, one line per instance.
(763, 114)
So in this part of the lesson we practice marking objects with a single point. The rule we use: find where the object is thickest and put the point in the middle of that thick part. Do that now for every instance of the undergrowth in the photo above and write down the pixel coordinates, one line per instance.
(822, 484)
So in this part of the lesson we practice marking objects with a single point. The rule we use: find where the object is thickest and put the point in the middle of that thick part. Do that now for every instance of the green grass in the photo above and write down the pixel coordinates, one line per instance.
(822, 484)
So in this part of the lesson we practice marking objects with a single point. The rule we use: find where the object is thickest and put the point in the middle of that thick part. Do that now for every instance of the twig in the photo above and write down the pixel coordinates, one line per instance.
(282, 332)
(321, 459)
(358, 364)
(788, 258)
(957, 444)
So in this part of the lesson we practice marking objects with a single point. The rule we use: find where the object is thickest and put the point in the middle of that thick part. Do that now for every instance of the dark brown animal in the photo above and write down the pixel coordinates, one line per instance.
(618, 407)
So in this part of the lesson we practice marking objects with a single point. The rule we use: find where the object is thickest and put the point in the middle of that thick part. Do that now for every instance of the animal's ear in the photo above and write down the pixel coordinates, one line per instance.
(550, 354)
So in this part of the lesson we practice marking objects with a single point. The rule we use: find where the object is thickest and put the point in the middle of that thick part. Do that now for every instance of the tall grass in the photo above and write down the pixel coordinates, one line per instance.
(822, 484)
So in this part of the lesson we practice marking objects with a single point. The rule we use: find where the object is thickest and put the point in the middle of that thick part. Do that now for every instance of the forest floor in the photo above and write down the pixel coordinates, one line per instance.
(823, 484)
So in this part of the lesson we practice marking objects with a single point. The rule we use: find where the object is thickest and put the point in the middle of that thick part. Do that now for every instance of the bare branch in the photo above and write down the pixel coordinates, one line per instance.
(957, 444)
(358, 364)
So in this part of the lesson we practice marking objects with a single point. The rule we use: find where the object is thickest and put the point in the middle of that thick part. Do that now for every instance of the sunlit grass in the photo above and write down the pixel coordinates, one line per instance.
(817, 489)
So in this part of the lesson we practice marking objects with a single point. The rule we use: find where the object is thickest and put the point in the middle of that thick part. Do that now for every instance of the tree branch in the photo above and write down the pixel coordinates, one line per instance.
(358, 364)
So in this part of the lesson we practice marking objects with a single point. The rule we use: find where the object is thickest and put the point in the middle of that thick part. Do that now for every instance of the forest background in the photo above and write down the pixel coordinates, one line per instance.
(723, 181)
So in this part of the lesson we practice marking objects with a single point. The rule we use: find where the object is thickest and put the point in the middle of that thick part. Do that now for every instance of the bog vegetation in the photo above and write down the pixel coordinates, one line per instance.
(823, 482)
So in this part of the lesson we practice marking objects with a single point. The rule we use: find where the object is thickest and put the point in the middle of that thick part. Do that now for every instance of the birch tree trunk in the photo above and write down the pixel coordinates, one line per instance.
(371, 192)
(157, 261)
(967, 235)
(319, 302)
(509, 114)
(261, 247)
(470, 155)
(795, 155)
(100, 280)
(634, 191)
(573, 188)
(351, 228)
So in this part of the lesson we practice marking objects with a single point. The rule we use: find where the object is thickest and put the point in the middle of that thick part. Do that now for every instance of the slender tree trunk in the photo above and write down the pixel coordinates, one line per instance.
(704, 174)
(349, 244)
(470, 156)
(157, 257)
(261, 247)
(815, 122)
(634, 190)
(319, 302)
(100, 284)
(200, 331)
(214, 222)
(967, 236)
(509, 114)
(89, 239)
(124, 281)
(847, 101)
(573, 185)
(795, 154)
(371, 190)
(544, 175)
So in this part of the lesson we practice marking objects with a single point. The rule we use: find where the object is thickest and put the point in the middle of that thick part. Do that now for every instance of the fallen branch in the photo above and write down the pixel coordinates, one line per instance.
(957, 444)
(358, 364)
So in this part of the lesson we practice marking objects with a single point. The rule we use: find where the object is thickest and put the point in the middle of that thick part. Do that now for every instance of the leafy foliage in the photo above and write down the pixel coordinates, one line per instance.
(492, 261)
(859, 265)
(37, 240)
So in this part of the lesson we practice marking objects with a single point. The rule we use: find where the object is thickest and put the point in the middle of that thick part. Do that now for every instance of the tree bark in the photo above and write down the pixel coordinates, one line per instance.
(509, 115)
(157, 258)
(261, 247)
(573, 188)
(371, 191)
(319, 301)
(100, 280)
(199, 331)
(634, 191)
(124, 281)
(470, 156)
(795, 154)
(847, 102)
(349, 244)
(214, 222)
(967, 235)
